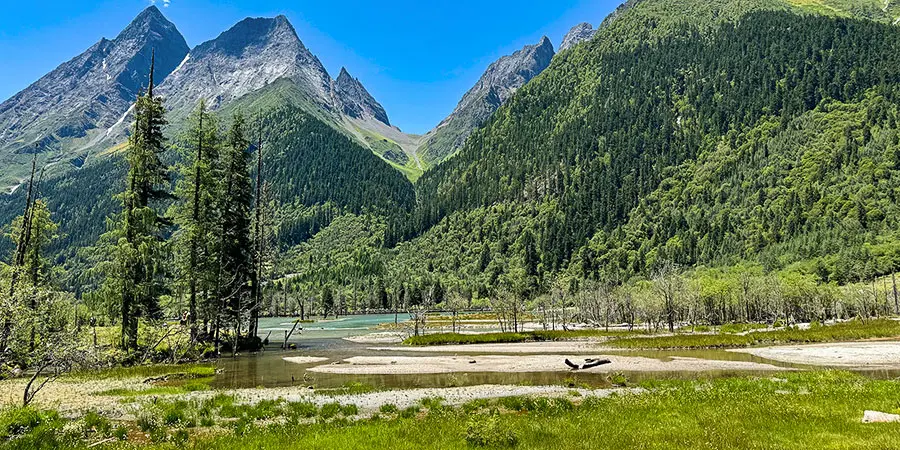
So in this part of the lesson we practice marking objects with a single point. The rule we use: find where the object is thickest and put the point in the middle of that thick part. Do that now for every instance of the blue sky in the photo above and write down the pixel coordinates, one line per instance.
(416, 57)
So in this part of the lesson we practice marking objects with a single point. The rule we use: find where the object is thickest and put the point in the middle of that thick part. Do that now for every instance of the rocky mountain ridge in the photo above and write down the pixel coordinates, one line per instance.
(498, 83)
(61, 111)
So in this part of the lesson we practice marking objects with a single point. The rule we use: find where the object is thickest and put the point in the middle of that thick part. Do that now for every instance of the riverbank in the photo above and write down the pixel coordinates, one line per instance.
(407, 365)
(858, 355)
(744, 412)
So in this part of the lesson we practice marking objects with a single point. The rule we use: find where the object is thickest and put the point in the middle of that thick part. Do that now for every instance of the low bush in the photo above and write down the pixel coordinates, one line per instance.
(486, 430)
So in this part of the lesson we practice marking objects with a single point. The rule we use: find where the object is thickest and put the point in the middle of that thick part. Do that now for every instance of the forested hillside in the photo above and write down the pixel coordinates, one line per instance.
(599, 146)
(315, 173)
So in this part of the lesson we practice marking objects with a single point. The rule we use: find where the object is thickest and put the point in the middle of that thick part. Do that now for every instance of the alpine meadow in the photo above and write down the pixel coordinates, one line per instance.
(677, 228)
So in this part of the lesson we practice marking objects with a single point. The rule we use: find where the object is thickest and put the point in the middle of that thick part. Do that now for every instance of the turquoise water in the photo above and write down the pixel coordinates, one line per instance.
(324, 339)
(341, 327)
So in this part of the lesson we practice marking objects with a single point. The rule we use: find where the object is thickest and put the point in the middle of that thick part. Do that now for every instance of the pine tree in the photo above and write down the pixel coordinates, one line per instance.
(236, 257)
(196, 213)
(137, 266)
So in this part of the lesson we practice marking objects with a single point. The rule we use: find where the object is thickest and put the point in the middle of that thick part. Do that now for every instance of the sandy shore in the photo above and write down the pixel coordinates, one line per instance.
(75, 398)
(69, 396)
(304, 359)
(554, 347)
(384, 337)
(847, 354)
(390, 365)
(403, 398)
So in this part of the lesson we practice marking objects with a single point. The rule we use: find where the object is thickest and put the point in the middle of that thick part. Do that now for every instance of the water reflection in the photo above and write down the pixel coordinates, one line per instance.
(324, 339)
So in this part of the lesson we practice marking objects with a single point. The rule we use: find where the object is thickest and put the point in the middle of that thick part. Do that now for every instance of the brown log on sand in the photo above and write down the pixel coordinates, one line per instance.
(591, 363)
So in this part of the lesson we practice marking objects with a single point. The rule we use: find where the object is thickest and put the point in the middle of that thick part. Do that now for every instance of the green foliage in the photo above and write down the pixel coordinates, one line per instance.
(583, 155)
(486, 430)
(310, 163)
(493, 338)
(846, 331)
(29, 428)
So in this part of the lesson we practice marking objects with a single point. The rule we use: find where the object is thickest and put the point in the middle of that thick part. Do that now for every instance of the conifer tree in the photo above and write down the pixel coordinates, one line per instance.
(236, 256)
(136, 269)
(196, 212)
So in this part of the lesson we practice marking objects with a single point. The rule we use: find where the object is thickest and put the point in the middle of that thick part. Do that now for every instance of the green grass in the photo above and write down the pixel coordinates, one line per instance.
(176, 371)
(499, 338)
(193, 385)
(813, 410)
(803, 410)
(846, 331)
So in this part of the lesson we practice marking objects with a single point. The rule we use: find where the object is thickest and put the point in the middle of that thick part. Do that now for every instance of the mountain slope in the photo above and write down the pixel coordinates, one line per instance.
(498, 83)
(578, 34)
(819, 191)
(61, 111)
(355, 101)
(576, 152)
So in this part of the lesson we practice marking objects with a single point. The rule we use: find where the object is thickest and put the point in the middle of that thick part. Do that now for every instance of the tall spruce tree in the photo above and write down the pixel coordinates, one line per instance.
(236, 259)
(197, 213)
(136, 269)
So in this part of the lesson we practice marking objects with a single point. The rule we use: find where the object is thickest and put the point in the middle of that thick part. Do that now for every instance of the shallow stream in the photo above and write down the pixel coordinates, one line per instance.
(326, 339)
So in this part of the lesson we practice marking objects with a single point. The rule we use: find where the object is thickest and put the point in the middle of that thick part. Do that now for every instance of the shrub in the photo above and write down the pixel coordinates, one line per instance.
(388, 409)
(486, 430)
(180, 437)
(410, 412)
(303, 410)
(120, 433)
(96, 423)
(330, 410)
(147, 422)
(349, 410)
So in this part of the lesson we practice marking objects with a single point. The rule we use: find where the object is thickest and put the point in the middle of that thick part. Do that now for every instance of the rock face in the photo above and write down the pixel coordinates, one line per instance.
(249, 56)
(353, 100)
(498, 84)
(94, 89)
(578, 34)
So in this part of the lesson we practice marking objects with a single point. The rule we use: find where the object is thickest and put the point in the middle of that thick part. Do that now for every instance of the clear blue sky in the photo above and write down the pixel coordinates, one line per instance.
(416, 57)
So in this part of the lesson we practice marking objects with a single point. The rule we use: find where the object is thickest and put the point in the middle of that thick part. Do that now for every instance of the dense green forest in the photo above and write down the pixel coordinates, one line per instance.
(315, 173)
(766, 146)
(584, 147)
(746, 139)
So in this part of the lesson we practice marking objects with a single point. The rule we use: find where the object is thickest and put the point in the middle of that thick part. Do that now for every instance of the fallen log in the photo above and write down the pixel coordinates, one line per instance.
(572, 365)
(591, 363)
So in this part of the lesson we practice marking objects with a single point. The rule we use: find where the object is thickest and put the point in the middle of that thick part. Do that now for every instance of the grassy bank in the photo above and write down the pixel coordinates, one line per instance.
(727, 337)
(501, 338)
(810, 410)
(846, 331)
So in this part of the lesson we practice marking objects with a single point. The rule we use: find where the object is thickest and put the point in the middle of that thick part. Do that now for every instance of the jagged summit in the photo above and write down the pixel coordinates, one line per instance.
(498, 83)
(578, 34)
(355, 101)
(247, 57)
(249, 33)
(92, 90)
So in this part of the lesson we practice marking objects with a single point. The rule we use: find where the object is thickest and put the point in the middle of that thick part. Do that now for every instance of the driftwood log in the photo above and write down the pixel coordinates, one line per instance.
(590, 363)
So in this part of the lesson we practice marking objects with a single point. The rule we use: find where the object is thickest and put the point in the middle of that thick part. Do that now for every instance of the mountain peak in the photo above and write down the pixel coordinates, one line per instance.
(250, 55)
(355, 101)
(149, 20)
(249, 33)
(94, 89)
(579, 33)
(499, 82)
